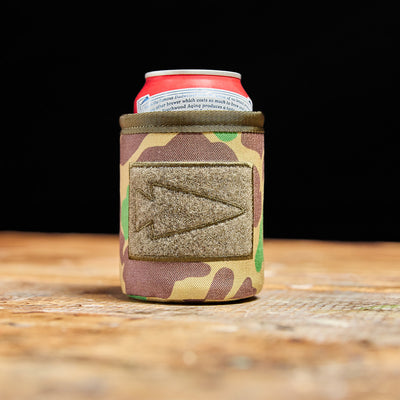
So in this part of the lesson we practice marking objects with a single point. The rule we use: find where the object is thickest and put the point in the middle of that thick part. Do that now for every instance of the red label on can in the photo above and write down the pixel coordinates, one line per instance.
(178, 90)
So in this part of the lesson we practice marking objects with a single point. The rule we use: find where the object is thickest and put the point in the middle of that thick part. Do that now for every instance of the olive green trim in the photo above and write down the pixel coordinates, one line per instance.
(192, 121)
(133, 296)
(190, 259)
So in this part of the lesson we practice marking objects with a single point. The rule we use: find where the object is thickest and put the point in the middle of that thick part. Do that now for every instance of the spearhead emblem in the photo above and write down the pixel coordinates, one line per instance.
(168, 210)
(190, 211)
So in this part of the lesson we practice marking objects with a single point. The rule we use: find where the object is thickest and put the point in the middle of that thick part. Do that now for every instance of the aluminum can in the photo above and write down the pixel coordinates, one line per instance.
(192, 89)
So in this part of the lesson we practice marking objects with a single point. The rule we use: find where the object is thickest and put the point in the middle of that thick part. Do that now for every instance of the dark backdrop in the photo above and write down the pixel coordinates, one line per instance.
(321, 74)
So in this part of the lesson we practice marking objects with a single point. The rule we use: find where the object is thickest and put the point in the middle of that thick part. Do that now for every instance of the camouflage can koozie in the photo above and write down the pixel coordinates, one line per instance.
(191, 189)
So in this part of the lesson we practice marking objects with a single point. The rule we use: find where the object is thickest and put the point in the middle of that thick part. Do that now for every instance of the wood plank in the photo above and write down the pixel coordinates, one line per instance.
(326, 326)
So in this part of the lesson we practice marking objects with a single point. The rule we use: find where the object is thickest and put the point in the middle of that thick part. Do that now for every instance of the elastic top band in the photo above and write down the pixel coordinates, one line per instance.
(192, 121)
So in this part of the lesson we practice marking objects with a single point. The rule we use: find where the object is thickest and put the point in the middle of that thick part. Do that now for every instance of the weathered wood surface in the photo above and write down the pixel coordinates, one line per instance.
(326, 326)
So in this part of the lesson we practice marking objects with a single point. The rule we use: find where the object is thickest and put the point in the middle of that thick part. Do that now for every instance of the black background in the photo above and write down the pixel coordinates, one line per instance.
(321, 74)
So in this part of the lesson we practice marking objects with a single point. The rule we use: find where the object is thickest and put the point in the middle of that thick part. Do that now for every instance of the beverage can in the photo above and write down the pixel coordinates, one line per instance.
(192, 89)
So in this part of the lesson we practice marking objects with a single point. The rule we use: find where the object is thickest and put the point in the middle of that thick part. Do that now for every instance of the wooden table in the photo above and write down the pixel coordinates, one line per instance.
(326, 326)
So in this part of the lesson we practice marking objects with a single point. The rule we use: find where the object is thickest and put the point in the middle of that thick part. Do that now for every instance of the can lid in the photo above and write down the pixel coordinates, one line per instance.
(193, 72)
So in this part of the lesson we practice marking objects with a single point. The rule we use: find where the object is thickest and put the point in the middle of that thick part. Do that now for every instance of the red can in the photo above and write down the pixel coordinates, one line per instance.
(192, 89)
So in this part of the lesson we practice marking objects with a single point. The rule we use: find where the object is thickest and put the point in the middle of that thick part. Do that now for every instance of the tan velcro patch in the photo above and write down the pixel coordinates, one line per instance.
(190, 211)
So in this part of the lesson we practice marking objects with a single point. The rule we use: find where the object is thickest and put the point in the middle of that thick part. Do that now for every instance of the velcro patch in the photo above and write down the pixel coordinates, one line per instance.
(199, 211)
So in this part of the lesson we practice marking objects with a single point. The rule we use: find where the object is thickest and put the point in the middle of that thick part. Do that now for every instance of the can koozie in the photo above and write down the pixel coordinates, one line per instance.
(191, 189)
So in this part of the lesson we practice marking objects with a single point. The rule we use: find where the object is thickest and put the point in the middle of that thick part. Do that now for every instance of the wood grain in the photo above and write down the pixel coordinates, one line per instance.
(326, 326)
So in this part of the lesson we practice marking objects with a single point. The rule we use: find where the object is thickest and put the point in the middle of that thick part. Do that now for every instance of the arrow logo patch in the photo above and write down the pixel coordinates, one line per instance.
(190, 211)
(171, 211)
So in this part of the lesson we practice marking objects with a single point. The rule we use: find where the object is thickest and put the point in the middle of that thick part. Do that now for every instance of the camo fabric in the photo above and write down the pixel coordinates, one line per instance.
(176, 279)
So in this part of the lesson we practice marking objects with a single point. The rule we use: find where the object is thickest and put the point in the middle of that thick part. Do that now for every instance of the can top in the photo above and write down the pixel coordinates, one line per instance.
(193, 72)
